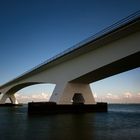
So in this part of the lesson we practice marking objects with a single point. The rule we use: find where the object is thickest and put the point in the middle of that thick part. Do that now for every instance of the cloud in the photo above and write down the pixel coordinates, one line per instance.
(128, 95)
(111, 96)
(40, 96)
(35, 97)
(95, 95)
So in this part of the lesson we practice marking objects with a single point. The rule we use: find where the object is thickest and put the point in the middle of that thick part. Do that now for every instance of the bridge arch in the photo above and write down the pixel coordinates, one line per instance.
(10, 93)
(36, 93)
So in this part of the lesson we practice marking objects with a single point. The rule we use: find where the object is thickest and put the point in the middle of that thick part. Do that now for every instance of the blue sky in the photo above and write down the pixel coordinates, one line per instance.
(32, 31)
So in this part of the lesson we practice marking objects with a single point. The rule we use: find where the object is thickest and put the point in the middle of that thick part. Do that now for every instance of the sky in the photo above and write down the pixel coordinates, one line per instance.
(32, 31)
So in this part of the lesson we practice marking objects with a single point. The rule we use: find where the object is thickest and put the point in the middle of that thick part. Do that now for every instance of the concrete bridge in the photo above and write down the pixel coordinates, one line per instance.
(114, 50)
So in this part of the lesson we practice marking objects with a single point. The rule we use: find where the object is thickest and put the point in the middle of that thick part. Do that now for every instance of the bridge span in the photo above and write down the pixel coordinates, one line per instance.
(114, 50)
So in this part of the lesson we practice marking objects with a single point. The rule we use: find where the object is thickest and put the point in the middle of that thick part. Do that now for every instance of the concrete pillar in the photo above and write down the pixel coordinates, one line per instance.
(10, 96)
(13, 99)
(63, 93)
(3, 99)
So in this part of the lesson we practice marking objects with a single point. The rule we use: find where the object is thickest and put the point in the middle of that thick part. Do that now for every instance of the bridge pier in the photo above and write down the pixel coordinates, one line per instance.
(10, 96)
(63, 93)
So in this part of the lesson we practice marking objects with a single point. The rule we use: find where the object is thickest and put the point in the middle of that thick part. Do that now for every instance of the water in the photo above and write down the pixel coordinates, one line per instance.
(120, 122)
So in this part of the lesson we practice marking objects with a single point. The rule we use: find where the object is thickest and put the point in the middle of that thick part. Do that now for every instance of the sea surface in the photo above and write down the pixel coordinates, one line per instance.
(121, 122)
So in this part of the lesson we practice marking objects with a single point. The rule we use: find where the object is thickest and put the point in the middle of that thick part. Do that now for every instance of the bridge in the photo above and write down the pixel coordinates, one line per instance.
(114, 50)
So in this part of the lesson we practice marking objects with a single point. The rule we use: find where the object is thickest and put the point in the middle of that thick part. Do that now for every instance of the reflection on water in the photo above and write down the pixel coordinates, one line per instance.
(62, 127)
(120, 122)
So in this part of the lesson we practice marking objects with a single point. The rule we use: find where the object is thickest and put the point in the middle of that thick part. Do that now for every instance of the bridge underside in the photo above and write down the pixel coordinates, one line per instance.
(10, 93)
(81, 84)
(64, 92)
(122, 65)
